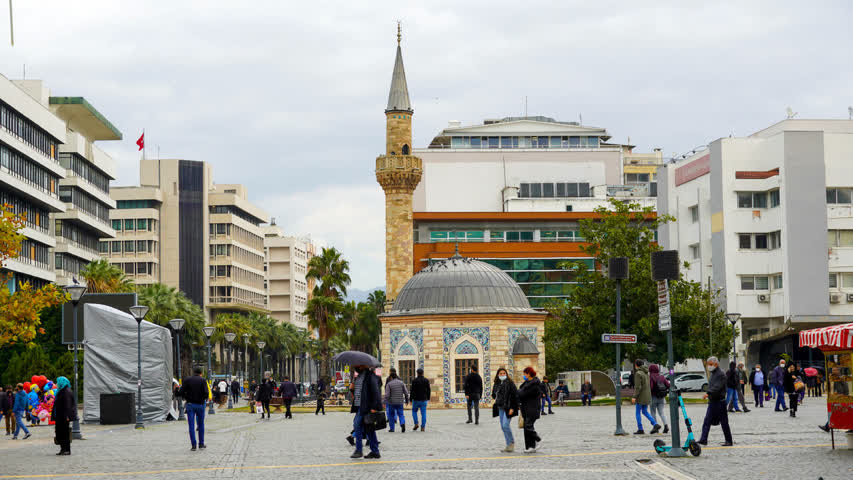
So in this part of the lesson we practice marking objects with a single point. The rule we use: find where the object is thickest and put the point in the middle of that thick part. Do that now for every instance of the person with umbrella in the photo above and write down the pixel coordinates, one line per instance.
(811, 377)
(367, 400)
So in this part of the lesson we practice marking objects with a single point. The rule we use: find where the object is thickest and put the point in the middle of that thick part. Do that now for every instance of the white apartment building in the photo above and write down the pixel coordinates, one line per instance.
(286, 265)
(769, 218)
(30, 172)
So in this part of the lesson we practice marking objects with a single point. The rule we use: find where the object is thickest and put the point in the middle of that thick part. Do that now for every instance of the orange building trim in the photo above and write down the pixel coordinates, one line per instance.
(756, 175)
(423, 252)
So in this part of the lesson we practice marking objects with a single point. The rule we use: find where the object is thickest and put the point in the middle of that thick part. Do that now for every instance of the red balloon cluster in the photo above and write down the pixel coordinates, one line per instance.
(39, 380)
(27, 386)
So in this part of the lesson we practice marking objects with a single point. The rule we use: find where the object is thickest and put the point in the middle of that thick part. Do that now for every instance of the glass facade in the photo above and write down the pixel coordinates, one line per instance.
(525, 142)
(541, 279)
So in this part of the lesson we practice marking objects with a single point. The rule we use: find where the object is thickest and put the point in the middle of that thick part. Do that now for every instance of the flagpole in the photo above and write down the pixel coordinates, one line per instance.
(11, 25)
(143, 144)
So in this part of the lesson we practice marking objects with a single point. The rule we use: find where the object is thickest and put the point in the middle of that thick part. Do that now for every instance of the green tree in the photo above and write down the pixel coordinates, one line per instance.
(331, 272)
(573, 330)
(101, 276)
(166, 303)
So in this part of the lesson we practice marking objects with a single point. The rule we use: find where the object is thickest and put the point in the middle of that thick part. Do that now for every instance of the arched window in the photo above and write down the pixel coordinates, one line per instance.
(407, 360)
(465, 353)
(405, 149)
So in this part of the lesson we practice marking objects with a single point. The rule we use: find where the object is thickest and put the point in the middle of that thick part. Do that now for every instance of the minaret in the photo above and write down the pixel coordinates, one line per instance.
(399, 173)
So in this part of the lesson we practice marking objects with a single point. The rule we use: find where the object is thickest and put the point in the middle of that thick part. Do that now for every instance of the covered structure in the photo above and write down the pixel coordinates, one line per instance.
(457, 313)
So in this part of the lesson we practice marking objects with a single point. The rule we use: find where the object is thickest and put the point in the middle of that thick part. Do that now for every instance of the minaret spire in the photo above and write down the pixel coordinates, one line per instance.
(399, 31)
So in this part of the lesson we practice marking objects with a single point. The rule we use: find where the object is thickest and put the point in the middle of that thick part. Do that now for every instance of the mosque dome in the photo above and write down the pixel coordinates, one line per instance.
(460, 285)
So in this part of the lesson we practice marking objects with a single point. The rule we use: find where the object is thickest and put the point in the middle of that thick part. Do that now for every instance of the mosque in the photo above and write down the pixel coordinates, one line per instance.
(455, 313)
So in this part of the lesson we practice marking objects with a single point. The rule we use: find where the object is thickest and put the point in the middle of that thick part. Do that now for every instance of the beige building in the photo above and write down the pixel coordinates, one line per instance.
(640, 169)
(136, 220)
(287, 288)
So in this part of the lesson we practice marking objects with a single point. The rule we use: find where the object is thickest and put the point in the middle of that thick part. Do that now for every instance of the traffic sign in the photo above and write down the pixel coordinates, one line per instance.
(618, 338)
(664, 316)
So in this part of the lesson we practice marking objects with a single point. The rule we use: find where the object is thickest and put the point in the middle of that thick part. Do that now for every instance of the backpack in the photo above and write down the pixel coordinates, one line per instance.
(659, 389)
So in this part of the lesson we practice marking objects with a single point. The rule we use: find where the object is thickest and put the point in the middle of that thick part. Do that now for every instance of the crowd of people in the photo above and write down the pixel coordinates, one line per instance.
(40, 402)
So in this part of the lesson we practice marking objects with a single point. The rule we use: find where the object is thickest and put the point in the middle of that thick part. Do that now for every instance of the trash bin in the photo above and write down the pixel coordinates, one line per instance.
(118, 408)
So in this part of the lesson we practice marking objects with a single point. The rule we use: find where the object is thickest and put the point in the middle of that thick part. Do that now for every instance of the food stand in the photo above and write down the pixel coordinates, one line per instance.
(836, 343)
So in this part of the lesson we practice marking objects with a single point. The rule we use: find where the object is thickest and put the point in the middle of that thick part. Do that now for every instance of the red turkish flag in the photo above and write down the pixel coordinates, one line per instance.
(141, 141)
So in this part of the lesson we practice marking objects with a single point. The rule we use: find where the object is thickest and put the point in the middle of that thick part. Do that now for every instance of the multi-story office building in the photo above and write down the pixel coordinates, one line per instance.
(85, 188)
(769, 219)
(136, 220)
(30, 172)
(288, 290)
(536, 178)
(236, 251)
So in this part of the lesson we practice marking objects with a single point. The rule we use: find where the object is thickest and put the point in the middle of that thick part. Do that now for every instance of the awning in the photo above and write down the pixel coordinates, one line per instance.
(836, 336)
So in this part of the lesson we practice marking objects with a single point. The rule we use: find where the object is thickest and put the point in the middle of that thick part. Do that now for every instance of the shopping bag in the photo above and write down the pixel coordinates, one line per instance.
(520, 421)
(375, 421)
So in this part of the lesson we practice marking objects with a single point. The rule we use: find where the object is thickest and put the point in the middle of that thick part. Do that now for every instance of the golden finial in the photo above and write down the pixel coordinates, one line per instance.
(399, 31)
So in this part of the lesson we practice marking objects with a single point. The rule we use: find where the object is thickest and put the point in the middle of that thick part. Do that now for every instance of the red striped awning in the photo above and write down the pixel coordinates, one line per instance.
(836, 336)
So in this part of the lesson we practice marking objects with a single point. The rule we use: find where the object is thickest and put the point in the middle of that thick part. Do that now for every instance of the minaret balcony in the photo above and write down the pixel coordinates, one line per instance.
(410, 163)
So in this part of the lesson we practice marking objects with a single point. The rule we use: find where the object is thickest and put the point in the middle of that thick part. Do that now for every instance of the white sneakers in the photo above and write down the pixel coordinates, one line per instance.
(509, 448)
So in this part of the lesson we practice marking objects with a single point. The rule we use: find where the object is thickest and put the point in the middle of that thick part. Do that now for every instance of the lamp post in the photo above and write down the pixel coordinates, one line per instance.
(618, 270)
(139, 312)
(733, 318)
(177, 324)
(76, 292)
(208, 331)
(245, 356)
(261, 345)
(229, 337)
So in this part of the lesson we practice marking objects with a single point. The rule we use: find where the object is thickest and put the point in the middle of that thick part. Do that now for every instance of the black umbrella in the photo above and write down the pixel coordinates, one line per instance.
(351, 357)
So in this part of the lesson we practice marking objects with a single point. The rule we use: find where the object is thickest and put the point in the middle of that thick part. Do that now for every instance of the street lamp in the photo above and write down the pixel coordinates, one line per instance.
(208, 331)
(733, 318)
(229, 337)
(139, 312)
(261, 344)
(245, 356)
(178, 324)
(76, 292)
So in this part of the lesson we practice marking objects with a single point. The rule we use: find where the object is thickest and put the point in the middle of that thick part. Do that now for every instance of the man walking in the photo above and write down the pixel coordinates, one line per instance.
(420, 398)
(778, 386)
(742, 381)
(288, 391)
(194, 392)
(642, 398)
(473, 387)
(396, 395)
(716, 396)
(756, 380)
(235, 391)
(366, 400)
(546, 396)
(7, 400)
(18, 409)
(264, 395)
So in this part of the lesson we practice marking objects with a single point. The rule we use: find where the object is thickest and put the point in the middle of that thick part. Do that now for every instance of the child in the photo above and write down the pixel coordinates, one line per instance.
(321, 403)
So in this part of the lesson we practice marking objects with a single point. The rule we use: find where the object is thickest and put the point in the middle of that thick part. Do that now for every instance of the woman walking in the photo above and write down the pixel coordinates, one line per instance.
(64, 412)
(660, 389)
(506, 403)
(530, 394)
(788, 382)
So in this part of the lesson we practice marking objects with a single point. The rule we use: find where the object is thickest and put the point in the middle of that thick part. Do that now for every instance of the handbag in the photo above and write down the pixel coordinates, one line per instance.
(495, 410)
(767, 395)
(520, 421)
(375, 421)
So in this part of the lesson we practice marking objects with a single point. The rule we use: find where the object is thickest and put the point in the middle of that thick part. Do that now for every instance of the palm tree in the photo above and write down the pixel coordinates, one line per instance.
(331, 272)
(101, 276)
(377, 299)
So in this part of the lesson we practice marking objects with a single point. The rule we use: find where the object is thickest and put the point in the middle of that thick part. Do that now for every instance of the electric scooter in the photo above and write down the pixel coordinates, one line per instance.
(690, 443)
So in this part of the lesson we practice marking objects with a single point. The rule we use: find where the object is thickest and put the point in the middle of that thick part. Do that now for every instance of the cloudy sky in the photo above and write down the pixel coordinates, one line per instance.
(288, 97)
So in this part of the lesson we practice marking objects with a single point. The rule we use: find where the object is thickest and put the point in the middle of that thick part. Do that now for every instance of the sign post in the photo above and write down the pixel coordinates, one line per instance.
(618, 338)
(665, 324)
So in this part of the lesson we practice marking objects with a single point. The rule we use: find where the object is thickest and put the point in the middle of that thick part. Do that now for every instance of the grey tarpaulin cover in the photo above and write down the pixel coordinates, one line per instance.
(111, 362)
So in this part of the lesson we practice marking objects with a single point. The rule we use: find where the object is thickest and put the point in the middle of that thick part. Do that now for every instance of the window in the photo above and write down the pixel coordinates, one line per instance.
(750, 282)
(128, 268)
(519, 236)
(463, 366)
(116, 247)
(694, 213)
(761, 241)
(847, 280)
(141, 246)
(553, 190)
(536, 190)
(833, 280)
(694, 251)
(548, 190)
(128, 246)
(524, 190)
(104, 247)
(745, 241)
(128, 225)
(744, 200)
(117, 225)
(777, 282)
(845, 238)
(774, 198)
(141, 224)
(406, 371)
(839, 196)
(141, 268)
(752, 199)
(775, 239)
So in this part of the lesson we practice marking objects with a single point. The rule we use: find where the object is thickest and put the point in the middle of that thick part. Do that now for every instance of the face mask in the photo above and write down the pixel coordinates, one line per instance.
(758, 369)
(503, 378)
(711, 368)
(783, 365)
(525, 376)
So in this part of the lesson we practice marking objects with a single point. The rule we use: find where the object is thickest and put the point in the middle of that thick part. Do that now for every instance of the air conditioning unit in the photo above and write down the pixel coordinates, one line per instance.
(835, 299)
(764, 299)
(850, 298)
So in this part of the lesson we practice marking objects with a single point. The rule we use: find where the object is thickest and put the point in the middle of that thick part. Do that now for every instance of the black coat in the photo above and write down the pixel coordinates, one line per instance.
(420, 390)
(371, 394)
(506, 396)
(235, 387)
(7, 400)
(717, 386)
(732, 378)
(474, 386)
(264, 391)
(288, 389)
(788, 382)
(64, 406)
(529, 395)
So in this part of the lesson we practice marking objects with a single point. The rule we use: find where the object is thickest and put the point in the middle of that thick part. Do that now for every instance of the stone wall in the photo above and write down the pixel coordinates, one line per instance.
(398, 132)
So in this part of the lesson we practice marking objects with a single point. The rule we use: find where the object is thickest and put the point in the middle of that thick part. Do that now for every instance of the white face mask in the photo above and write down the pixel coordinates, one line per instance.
(758, 369)
(503, 378)
(711, 368)
(782, 364)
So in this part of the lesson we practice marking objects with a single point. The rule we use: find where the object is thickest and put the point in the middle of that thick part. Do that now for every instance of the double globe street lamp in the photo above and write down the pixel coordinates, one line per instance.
(229, 337)
(178, 324)
(261, 344)
(245, 356)
(139, 312)
(76, 292)
(208, 331)
(733, 318)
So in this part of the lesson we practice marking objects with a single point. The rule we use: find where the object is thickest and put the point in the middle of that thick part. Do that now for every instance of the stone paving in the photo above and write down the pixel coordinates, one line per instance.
(578, 444)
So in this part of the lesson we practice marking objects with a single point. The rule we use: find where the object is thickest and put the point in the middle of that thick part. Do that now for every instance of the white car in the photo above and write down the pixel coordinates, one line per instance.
(692, 382)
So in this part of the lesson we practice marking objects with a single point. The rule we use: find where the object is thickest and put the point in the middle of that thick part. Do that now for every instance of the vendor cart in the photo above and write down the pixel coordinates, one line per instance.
(836, 342)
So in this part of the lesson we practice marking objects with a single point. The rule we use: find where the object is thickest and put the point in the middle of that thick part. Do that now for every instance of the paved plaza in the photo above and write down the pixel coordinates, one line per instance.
(578, 444)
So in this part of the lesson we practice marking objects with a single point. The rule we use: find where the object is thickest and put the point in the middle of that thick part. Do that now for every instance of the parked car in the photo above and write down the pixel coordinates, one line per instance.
(692, 382)
(626, 377)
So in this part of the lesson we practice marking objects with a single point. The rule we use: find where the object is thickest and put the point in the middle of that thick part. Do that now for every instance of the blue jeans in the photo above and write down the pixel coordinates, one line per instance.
(419, 405)
(195, 411)
(19, 423)
(358, 426)
(758, 393)
(506, 427)
(731, 399)
(640, 411)
(544, 399)
(395, 412)
(586, 399)
(780, 397)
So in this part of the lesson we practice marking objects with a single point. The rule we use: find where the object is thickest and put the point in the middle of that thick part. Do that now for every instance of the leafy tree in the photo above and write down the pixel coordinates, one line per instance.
(101, 276)
(19, 311)
(331, 272)
(573, 330)
(166, 303)
(359, 326)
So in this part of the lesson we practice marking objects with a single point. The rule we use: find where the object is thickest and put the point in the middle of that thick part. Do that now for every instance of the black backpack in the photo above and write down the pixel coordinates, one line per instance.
(659, 389)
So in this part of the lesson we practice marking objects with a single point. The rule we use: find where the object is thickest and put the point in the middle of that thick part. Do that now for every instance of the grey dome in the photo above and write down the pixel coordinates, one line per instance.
(523, 346)
(460, 285)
